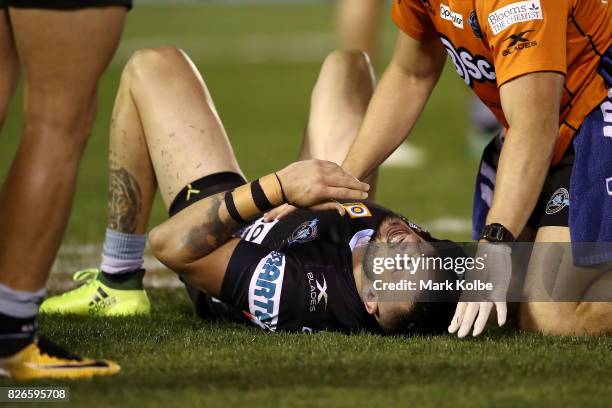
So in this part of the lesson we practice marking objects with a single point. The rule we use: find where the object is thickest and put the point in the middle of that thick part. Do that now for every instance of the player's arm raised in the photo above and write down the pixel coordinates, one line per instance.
(397, 103)
(203, 227)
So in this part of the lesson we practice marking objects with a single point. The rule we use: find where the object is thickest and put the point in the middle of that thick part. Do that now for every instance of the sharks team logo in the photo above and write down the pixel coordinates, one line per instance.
(306, 232)
(558, 201)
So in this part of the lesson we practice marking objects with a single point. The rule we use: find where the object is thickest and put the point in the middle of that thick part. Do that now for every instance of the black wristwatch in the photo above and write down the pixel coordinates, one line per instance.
(497, 233)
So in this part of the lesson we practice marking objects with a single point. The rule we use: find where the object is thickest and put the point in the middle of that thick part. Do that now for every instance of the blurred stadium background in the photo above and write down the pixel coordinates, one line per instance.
(260, 60)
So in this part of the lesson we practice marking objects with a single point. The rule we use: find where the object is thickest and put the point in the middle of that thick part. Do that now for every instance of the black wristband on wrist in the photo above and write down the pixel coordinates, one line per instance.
(282, 189)
(231, 208)
(259, 197)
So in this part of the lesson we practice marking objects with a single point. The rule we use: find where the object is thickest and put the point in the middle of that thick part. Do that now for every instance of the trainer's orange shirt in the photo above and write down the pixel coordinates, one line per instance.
(491, 42)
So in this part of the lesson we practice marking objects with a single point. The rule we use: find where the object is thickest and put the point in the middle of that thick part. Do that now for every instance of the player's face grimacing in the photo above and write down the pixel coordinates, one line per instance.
(395, 230)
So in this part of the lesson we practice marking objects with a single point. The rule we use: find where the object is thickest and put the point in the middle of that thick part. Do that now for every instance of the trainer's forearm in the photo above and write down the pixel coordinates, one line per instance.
(523, 166)
(531, 106)
(397, 103)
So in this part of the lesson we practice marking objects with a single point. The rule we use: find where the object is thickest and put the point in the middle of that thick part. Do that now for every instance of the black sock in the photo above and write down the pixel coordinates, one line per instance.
(15, 333)
(123, 281)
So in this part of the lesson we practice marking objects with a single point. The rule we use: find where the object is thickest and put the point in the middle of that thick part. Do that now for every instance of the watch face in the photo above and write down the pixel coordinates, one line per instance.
(497, 233)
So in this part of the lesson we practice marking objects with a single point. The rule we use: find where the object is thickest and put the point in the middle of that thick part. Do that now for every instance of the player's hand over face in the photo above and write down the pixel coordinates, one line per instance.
(474, 308)
(316, 183)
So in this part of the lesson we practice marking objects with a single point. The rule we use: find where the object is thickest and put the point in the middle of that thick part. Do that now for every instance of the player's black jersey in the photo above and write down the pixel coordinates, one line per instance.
(297, 273)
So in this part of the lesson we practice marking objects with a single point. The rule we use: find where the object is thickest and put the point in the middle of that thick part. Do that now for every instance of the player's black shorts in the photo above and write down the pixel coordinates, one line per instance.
(553, 205)
(552, 209)
(64, 4)
(206, 306)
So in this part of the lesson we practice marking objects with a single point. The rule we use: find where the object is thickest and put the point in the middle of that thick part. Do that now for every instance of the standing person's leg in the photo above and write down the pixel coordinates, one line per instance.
(62, 54)
(61, 72)
(9, 65)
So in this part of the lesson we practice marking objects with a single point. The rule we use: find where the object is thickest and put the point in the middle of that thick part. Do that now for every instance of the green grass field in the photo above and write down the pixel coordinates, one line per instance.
(260, 63)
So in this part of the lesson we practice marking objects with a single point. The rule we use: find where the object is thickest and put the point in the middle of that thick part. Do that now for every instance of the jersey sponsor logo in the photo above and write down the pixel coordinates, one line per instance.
(447, 14)
(305, 232)
(469, 67)
(518, 42)
(257, 231)
(558, 201)
(515, 13)
(357, 210)
(265, 289)
(473, 21)
(317, 290)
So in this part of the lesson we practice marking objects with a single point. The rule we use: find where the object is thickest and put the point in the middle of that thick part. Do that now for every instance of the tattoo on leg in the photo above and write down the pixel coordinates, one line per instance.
(124, 200)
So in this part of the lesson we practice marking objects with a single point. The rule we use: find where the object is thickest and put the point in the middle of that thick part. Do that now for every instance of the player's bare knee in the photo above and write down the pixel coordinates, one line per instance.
(593, 318)
(353, 60)
(150, 62)
(566, 318)
(542, 317)
(353, 63)
(349, 72)
(528, 318)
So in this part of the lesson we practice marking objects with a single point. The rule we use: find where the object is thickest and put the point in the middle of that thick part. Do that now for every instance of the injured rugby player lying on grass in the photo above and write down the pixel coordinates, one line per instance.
(300, 273)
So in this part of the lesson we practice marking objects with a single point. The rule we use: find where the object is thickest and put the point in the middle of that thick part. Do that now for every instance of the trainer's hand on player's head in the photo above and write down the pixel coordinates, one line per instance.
(312, 182)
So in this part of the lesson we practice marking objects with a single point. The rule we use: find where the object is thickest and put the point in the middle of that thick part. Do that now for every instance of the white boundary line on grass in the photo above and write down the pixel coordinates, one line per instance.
(242, 48)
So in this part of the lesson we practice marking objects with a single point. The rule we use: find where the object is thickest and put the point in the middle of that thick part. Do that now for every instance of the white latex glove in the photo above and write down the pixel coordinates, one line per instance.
(498, 270)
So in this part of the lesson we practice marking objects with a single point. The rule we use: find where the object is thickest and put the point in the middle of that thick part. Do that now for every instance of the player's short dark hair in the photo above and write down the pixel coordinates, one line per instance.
(421, 318)
(430, 315)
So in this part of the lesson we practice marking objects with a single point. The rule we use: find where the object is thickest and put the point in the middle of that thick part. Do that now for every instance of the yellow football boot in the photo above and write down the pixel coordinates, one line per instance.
(43, 359)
